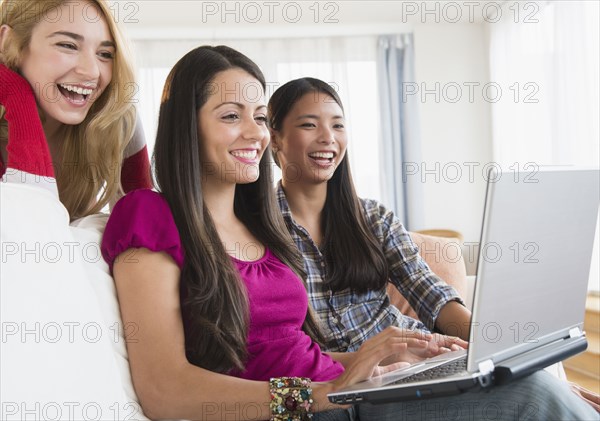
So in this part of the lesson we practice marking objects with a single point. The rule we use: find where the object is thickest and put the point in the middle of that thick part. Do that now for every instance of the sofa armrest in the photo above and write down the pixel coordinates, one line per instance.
(444, 258)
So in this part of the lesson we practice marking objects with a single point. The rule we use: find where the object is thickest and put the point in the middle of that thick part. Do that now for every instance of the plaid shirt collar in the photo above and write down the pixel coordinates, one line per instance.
(283, 205)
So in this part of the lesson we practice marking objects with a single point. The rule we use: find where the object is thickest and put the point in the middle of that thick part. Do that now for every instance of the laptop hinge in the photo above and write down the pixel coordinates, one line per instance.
(575, 333)
(486, 367)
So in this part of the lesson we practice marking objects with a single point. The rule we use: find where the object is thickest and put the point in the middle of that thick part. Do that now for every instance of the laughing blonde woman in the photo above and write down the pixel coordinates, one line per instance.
(68, 65)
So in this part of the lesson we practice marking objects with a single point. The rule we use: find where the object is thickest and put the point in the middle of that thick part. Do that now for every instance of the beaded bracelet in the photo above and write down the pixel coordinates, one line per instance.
(291, 399)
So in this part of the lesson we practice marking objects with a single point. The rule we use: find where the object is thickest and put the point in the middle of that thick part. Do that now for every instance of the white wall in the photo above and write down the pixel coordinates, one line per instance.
(455, 133)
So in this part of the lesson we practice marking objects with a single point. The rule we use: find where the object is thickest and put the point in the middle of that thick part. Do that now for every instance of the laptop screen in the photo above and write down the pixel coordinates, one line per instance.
(534, 262)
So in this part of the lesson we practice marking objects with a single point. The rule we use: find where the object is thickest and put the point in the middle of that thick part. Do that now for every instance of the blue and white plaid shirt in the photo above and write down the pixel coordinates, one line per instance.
(349, 319)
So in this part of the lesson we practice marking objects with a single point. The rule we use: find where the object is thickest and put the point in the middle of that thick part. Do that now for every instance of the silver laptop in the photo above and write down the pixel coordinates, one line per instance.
(532, 278)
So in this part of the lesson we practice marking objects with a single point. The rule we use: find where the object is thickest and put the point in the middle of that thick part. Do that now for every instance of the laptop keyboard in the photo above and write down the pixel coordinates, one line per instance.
(444, 370)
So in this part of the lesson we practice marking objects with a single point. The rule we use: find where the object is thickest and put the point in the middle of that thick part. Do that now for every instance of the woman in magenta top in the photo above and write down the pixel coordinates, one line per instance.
(277, 300)
(209, 280)
(207, 273)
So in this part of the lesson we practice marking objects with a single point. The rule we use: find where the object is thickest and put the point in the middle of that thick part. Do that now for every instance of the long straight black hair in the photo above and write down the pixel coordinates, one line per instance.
(214, 302)
(354, 257)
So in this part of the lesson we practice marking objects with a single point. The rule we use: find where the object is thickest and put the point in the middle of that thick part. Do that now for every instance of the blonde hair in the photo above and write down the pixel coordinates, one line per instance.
(88, 177)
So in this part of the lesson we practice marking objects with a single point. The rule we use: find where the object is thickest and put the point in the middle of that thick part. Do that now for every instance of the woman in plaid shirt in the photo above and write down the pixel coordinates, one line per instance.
(353, 247)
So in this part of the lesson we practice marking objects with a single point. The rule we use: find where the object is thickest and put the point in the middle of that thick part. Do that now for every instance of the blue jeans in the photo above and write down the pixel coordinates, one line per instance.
(539, 396)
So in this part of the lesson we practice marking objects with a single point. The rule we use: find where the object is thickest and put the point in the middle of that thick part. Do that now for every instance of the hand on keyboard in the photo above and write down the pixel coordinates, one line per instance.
(437, 344)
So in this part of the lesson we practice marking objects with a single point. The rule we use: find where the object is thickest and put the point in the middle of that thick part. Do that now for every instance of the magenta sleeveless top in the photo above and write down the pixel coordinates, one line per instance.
(277, 346)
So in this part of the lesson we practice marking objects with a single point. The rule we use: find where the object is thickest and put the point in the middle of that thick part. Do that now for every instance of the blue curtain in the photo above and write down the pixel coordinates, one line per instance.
(400, 148)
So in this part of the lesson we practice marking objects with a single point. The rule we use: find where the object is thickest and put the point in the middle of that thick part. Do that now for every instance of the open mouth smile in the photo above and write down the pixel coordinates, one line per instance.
(323, 159)
(248, 156)
(75, 94)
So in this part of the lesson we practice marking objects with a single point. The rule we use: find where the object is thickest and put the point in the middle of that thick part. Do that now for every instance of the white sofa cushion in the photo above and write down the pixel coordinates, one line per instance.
(57, 340)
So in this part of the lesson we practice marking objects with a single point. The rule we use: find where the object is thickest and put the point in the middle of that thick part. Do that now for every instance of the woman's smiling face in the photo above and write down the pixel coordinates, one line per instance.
(232, 127)
(69, 61)
(312, 140)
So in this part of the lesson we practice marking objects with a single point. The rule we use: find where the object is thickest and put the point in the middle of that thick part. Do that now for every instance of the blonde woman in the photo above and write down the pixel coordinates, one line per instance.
(79, 70)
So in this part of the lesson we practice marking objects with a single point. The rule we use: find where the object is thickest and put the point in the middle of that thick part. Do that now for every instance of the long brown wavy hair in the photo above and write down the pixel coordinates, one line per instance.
(213, 299)
(354, 257)
(88, 177)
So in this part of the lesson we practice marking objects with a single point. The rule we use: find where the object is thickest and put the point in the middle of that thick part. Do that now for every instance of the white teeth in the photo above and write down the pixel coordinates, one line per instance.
(76, 89)
(326, 155)
(244, 154)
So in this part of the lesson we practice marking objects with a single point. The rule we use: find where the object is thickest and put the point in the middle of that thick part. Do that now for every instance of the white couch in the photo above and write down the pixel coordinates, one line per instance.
(63, 354)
